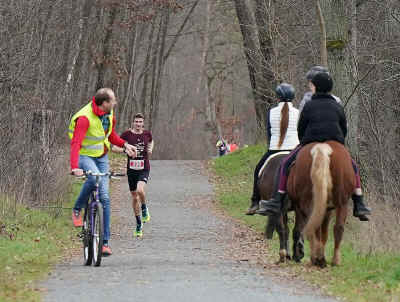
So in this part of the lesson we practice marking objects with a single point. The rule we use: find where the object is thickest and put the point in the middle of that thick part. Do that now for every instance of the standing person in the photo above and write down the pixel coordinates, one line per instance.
(138, 168)
(91, 131)
(222, 147)
(281, 133)
(321, 120)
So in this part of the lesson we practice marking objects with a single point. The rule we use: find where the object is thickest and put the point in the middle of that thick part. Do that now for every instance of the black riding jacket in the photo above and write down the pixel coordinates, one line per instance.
(322, 119)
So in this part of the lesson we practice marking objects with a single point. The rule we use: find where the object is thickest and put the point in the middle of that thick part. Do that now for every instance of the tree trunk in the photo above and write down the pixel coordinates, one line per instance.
(339, 46)
(255, 63)
(102, 66)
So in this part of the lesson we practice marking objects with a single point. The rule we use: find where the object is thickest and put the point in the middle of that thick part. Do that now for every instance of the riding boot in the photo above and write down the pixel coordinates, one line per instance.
(360, 210)
(271, 206)
(254, 205)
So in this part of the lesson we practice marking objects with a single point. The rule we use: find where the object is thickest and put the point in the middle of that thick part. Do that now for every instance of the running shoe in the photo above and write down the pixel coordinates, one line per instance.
(77, 218)
(145, 215)
(138, 231)
(106, 251)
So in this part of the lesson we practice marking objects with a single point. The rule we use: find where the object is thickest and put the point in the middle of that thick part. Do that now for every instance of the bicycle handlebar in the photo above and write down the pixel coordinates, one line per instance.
(110, 174)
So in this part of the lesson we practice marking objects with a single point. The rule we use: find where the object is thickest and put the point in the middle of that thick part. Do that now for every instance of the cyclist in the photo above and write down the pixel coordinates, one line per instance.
(281, 132)
(138, 168)
(91, 131)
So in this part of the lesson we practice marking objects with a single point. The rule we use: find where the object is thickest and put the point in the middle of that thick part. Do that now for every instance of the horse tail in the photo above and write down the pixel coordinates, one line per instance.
(321, 179)
(284, 123)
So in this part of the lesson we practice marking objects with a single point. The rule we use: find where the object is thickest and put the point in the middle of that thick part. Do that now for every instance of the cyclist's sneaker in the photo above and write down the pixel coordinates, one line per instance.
(106, 251)
(77, 218)
(145, 215)
(138, 231)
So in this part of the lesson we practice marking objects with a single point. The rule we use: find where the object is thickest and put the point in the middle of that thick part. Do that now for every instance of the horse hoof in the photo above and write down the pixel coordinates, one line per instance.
(297, 259)
(319, 262)
(322, 263)
(335, 263)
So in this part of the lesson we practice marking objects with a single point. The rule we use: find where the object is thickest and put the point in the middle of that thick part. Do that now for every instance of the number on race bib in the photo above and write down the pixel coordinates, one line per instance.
(137, 164)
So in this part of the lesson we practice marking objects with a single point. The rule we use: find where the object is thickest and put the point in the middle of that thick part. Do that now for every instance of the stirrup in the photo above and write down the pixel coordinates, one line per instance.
(269, 207)
(252, 210)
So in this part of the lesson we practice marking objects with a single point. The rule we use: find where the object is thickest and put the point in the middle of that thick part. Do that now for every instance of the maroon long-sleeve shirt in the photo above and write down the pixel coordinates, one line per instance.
(81, 127)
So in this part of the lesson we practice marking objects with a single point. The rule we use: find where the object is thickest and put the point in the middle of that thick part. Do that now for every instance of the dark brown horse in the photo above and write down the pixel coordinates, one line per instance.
(322, 179)
(267, 183)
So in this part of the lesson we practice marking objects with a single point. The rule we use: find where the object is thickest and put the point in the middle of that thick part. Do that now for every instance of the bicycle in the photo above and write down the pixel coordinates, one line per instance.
(93, 223)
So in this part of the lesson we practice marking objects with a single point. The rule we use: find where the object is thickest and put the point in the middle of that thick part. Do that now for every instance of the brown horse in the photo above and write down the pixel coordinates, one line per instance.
(322, 179)
(267, 185)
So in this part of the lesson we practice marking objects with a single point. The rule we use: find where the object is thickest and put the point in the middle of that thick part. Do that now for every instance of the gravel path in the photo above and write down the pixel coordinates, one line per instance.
(189, 251)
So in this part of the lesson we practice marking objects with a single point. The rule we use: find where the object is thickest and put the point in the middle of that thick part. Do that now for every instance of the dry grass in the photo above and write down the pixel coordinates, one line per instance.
(381, 233)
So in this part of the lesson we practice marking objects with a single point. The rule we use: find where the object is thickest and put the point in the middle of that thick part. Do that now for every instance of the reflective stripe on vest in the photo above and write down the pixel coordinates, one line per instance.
(95, 138)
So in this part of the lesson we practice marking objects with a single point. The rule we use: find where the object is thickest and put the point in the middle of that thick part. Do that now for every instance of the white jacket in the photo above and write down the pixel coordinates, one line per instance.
(274, 126)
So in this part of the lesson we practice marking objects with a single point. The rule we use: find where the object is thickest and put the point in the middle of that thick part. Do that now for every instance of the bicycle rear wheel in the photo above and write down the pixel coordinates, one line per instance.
(98, 232)
(86, 238)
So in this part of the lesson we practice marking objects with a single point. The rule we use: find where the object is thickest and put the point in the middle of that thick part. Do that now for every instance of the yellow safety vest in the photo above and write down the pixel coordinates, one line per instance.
(96, 138)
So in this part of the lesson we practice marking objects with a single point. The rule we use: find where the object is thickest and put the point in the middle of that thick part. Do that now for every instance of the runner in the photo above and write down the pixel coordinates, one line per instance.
(138, 169)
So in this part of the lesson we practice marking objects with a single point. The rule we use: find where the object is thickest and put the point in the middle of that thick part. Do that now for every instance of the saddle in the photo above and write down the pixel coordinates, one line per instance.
(269, 159)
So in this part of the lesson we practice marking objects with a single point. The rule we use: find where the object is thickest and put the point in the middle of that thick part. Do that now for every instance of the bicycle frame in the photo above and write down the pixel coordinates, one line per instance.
(93, 201)
(93, 229)
(94, 221)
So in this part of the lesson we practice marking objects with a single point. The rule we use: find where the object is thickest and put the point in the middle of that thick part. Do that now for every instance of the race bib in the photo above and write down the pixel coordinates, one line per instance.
(137, 164)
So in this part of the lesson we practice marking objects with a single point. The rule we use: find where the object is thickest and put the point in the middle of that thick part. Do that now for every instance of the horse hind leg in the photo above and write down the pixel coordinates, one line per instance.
(281, 225)
(324, 233)
(322, 238)
(287, 231)
(319, 249)
(298, 246)
(341, 214)
(298, 240)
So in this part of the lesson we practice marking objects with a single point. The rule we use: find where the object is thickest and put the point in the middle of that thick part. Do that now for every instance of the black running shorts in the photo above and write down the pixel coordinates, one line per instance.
(135, 176)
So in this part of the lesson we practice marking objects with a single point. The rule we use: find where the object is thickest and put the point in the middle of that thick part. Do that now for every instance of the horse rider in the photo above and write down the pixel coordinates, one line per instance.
(281, 126)
(322, 119)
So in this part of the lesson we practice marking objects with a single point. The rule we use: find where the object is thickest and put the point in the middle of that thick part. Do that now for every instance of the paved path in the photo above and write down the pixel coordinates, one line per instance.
(187, 252)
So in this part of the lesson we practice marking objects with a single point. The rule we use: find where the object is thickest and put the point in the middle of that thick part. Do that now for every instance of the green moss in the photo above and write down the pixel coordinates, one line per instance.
(335, 44)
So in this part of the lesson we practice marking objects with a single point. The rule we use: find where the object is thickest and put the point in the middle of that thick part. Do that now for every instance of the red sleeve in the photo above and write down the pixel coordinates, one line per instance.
(114, 137)
(81, 127)
(150, 137)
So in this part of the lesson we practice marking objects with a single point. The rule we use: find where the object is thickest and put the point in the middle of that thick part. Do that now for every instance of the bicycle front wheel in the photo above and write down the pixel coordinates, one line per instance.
(87, 238)
(98, 232)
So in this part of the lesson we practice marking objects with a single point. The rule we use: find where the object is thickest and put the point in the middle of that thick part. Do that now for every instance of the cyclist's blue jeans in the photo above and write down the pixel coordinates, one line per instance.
(97, 165)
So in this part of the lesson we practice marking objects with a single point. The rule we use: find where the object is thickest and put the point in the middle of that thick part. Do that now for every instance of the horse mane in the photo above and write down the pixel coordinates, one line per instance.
(284, 123)
(321, 179)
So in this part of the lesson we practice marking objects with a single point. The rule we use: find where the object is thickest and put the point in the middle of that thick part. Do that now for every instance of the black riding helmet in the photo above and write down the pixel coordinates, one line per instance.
(285, 92)
(314, 70)
(323, 82)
